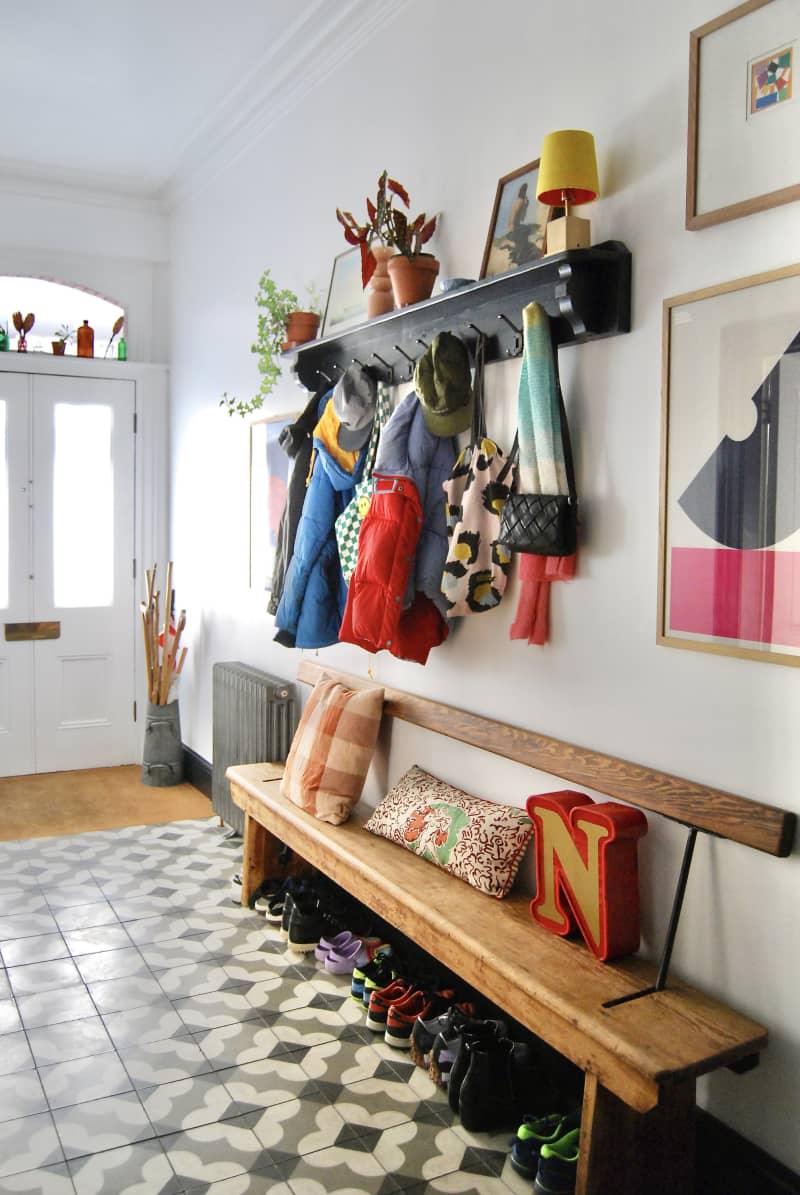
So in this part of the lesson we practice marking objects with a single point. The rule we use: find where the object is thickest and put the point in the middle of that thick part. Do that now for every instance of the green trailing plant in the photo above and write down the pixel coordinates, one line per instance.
(65, 334)
(388, 224)
(274, 306)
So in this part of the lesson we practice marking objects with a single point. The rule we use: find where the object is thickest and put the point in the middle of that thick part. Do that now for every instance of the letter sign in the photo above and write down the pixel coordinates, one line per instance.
(587, 872)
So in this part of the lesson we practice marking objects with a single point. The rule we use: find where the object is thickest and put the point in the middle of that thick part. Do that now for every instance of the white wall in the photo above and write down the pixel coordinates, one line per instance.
(115, 247)
(476, 88)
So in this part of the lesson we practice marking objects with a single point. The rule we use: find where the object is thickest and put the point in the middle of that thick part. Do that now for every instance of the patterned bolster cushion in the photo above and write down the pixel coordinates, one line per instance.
(332, 749)
(479, 841)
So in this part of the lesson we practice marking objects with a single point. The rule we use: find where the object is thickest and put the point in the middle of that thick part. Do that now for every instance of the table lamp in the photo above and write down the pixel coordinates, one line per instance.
(567, 177)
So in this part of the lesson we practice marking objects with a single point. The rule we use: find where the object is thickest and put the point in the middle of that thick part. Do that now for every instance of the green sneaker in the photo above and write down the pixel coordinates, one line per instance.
(533, 1133)
(558, 1166)
(376, 966)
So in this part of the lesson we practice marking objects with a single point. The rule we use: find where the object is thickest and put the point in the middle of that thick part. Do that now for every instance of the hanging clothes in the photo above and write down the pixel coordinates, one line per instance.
(542, 468)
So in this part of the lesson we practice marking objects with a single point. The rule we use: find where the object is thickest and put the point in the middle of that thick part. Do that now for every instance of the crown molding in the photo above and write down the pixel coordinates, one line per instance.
(313, 47)
(77, 186)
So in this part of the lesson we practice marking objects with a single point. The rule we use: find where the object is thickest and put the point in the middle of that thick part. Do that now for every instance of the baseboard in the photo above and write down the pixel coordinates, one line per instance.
(197, 771)
(728, 1164)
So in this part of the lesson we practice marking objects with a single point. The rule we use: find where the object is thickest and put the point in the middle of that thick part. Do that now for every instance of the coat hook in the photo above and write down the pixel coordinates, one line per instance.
(355, 361)
(411, 361)
(517, 349)
(477, 331)
(322, 374)
(424, 343)
(389, 368)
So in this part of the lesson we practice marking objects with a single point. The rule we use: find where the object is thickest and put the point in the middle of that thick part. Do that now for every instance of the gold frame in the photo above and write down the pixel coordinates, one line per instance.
(743, 207)
(675, 639)
(502, 183)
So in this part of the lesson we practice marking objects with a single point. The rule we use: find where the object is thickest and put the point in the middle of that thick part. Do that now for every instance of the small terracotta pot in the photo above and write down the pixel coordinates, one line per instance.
(300, 327)
(380, 298)
(59, 347)
(412, 278)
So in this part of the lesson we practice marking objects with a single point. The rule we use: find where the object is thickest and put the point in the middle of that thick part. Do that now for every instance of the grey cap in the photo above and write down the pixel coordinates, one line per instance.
(354, 406)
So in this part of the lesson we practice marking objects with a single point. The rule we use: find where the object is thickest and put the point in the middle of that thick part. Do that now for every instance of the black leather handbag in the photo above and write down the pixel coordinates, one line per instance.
(543, 524)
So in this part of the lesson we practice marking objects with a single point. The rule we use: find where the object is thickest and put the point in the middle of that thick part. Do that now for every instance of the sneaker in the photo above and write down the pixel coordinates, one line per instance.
(263, 895)
(533, 1133)
(446, 1046)
(373, 976)
(236, 889)
(306, 924)
(275, 904)
(381, 998)
(427, 1029)
(558, 1166)
(402, 1015)
(474, 1033)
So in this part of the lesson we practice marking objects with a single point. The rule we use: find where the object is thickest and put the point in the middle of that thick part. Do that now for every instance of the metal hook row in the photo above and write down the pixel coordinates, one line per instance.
(412, 361)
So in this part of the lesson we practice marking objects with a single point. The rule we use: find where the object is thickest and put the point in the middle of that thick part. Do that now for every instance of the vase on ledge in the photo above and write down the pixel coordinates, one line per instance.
(380, 298)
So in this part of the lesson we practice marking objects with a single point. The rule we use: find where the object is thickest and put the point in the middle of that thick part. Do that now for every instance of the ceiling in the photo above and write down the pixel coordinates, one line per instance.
(145, 99)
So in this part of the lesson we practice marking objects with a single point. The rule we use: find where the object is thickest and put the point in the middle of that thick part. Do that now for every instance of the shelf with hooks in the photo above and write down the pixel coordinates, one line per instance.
(586, 291)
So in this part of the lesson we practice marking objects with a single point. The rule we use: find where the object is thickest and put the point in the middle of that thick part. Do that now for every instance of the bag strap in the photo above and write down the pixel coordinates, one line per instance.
(478, 415)
(382, 408)
(565, 436)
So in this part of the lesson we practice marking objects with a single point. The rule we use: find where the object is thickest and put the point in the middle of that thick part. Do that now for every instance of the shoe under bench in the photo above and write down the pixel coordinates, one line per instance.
(641, 1058)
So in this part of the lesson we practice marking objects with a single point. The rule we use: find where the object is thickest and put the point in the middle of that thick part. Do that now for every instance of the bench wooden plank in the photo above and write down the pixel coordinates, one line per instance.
(551, 985)
(764, 827)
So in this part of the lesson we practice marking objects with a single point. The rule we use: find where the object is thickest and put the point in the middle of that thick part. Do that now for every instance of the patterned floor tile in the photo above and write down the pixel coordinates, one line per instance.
(102, 1124)
(119, 995)
(210, 1010)
(68, 895)
(139, 1169)
(28, 1144)
(74, 1039)
(26, 925)
(21, 1095)
(174, 951)
(137, 907)
(9, 1017)
(164, 1061)
(137, 1026)
(159, 928)
(85, 916)
(266, 1182)
(338, 1170)
(38, 949)
(216, 1151)
(50, 1180)
(43, 977)
(255, 967)
(233, 1045)
(15, 1055)
(111, 964)
(52, 1008)
(265, 1082)
(188, 1103)
(343, 1062)
(297, 1127)
(191, 979)
(5, 986)
(234, 940)
(100, 937)
(84, 1079)
(420, 1151)
(374, 1103)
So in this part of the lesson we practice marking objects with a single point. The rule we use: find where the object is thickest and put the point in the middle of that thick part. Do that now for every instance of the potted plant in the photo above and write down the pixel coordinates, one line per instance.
(302, 326)
(3, 338)
(63, 337)
(411, 271)
(274, 307)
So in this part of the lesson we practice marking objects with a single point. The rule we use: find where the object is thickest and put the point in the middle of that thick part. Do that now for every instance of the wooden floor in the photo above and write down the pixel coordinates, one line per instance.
(99, 799)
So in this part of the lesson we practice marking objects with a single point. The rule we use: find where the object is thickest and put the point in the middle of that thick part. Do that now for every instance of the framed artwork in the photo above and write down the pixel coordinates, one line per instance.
(743, 152)
(269, 479)
(729, 579)
(347, 302)
(518, 224)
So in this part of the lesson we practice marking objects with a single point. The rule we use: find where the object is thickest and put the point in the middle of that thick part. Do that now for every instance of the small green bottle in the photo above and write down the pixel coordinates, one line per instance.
(122, 349)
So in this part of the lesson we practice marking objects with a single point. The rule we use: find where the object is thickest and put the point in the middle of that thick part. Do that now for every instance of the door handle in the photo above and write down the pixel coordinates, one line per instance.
(16, 632)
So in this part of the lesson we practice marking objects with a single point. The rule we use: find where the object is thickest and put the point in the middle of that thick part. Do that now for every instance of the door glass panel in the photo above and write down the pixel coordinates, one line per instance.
(83, 506)
(4, 529)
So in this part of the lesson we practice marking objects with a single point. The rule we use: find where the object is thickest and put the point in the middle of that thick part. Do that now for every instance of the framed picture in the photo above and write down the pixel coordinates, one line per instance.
(518, 224)
(347, 302)
(269, 479)
(743, 152)
(729, 577)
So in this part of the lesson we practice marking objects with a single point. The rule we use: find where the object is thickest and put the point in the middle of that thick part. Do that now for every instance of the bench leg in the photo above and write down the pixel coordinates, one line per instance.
(624, 1152)
(254, 857)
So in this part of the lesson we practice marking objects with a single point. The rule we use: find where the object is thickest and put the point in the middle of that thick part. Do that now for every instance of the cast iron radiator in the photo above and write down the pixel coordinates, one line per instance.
(254, 720)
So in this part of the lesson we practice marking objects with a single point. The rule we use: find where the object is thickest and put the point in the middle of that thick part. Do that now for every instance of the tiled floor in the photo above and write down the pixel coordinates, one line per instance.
(156, 1039)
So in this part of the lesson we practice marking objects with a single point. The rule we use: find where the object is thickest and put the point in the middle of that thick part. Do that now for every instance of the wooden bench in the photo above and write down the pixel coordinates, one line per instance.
(641, 1057)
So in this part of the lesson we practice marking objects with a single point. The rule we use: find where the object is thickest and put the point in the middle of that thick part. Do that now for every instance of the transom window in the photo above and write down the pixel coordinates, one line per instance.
(57, 307)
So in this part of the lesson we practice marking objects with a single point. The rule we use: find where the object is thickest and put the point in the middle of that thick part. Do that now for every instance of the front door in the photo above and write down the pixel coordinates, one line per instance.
(67, 500)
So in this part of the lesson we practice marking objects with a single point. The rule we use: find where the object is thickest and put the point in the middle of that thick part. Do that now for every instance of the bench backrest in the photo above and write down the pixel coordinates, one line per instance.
(752, 823)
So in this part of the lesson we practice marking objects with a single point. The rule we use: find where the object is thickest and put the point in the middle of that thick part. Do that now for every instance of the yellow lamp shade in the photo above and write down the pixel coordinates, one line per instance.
(568, 168)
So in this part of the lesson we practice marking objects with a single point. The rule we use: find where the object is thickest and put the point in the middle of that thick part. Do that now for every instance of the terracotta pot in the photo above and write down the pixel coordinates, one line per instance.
(59, 347)
(379, 288)
(412, 278)
(300, 327)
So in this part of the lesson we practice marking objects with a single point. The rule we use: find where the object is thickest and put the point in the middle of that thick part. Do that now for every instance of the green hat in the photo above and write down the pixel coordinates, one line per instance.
(442, 382)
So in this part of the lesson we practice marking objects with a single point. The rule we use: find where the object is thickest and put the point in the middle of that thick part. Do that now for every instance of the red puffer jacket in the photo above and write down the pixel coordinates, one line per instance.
(374, 617)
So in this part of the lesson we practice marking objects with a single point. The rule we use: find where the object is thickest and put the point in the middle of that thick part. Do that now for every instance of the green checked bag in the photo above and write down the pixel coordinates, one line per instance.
(348, 524)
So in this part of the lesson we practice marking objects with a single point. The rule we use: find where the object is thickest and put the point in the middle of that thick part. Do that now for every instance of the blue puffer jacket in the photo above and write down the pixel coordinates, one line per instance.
(408, 449)
(314, 591)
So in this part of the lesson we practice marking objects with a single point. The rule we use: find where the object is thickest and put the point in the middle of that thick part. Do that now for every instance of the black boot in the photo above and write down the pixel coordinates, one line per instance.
(474, 1033)
(486, 1097)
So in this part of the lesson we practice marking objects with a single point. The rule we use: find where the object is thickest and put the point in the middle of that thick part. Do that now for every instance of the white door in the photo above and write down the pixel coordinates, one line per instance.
(70, 697)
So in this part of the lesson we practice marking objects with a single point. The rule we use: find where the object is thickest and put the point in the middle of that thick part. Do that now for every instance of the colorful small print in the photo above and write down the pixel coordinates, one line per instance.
(771, 80)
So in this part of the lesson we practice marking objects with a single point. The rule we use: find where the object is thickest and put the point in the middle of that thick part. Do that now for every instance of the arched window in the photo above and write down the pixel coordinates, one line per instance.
(59, 310)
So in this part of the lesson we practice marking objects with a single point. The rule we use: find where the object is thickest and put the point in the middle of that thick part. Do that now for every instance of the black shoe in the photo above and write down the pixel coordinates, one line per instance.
(306, 924)
(474, 1033)
(486, 1095)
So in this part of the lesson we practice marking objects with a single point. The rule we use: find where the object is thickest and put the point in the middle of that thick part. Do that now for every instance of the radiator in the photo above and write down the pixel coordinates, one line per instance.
(254, 720)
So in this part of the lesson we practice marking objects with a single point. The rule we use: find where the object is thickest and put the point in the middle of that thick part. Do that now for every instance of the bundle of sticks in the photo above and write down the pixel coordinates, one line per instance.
(162, 651)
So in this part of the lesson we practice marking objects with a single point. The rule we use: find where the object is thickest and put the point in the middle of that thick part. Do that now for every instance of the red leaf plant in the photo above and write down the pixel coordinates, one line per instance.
(387, 224)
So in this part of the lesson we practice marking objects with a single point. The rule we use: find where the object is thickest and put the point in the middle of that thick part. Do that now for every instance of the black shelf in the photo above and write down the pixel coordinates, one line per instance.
(586, 291)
